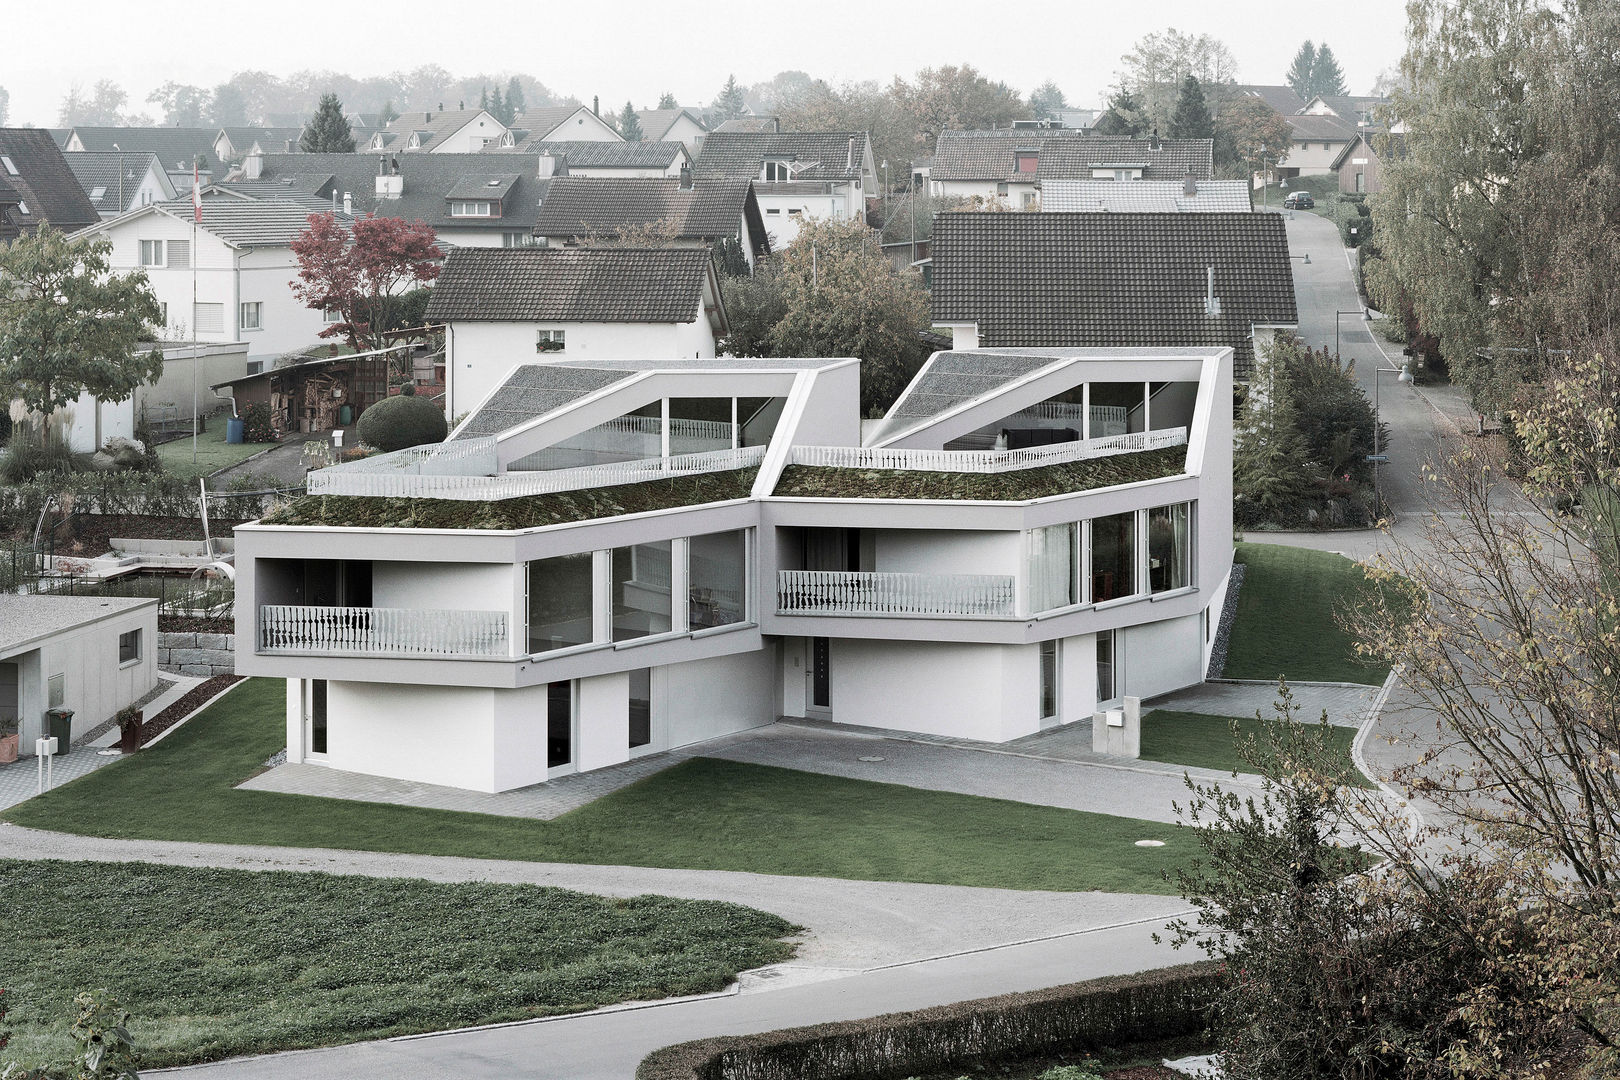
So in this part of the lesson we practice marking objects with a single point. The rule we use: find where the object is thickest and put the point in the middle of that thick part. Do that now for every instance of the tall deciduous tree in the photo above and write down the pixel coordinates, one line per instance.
(182, 105)
(103, 105)
(956, 97)
(5, 105)
(69, 325)
(629, 124)
(328, 131)
(1157, 65)
(1254, 133)
(360, 271)
(1303, 70)
(1191, 118)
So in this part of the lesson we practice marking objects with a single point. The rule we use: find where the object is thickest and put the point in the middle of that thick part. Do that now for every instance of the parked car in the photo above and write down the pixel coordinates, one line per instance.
(1299, 200)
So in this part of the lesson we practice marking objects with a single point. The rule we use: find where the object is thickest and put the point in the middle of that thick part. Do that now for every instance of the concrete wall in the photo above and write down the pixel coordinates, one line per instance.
(933, 688)
(96, 685)
(948, 551)
(430, 734)
(1159, 657)
(203, 655)
(704, 699)
(454, 586)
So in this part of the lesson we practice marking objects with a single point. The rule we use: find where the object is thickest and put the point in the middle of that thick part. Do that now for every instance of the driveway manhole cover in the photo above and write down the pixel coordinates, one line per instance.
(1150, 843)
(869, 759)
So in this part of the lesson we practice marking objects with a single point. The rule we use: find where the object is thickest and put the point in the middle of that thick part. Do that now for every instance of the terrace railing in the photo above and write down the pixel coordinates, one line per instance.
(985, 461)
(357, 631)
(829, 592)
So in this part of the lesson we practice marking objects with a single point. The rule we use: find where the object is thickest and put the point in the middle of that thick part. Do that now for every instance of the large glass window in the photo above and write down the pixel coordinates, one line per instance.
(640, 707)
(1052, 581)
(560, 602)
(1113, 557)
(1170, 547)
(559, 724)
(717, 572)
(317, 716)
(641, 596)
(1049, 679)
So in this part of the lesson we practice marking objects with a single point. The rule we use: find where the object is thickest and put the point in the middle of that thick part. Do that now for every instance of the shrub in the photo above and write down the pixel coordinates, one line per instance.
(25, 458)
(1101, 1014)
(399, 422)
(256, 425)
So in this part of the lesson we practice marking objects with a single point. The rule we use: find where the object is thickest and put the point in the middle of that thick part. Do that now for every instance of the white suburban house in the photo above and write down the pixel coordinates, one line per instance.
(1011, 166)
(573, 123)
(1135, 279)
(681, 125)
(241, 269)
(115, 182)
(797, 174)
(684, 211)
(182, 150)
(609, 559)
(504, 308)
(459, 131)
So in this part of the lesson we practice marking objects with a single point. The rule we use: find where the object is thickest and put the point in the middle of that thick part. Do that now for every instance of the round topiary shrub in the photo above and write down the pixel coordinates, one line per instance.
(399, 422)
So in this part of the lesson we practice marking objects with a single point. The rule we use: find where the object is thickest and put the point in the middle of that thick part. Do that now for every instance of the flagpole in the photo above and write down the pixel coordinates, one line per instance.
(196, 215)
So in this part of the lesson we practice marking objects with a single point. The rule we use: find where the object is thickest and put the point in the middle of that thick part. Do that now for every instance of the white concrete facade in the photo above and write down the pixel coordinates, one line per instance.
(577, 645)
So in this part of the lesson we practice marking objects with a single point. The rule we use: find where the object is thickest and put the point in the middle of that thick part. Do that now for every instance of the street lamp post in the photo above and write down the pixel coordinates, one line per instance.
(1378, 457)
(885, 192)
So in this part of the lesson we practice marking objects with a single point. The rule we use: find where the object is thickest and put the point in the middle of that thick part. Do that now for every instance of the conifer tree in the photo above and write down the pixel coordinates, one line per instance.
(666, 100)
(1327, 78)
(1191, 119)
(497, 107)
(1301, 73)
(630, 124)
(730, 103)
(328, 132)
(514, 99)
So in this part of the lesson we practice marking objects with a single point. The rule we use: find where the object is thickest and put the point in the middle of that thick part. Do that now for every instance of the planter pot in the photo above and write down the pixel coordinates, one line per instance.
(8, 749)
(129, 735)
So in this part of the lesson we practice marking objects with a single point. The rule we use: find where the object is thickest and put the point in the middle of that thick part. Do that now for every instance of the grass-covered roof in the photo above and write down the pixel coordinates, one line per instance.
(816, 482)
(527, 512)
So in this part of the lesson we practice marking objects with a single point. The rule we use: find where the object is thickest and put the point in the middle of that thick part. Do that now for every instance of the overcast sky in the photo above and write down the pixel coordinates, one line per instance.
(637, 49)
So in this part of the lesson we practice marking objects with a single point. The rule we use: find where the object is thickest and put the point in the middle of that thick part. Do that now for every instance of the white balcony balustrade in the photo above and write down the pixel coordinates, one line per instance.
(356, 631)
(985, 461)
(828, 592)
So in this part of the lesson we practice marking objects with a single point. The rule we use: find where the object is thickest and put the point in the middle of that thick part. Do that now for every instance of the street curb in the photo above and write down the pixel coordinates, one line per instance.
(1359, 759)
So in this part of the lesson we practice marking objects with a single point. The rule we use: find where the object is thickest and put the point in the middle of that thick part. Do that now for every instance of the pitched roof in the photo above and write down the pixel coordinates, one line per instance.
(1350, 107)
(176, 147)
(1054, 279)
(634, 285)
(270, 139)
(823, 155)
(1065, 154)
(1310, 126)
(1370, 140)
(586, 154)
(543, 121)
(43, 183)
(755, 124)
(711, 209)
(249, 222)
(432, 128)
(1282, 98)
(1146, 196)
(655, 123)
(100, 172)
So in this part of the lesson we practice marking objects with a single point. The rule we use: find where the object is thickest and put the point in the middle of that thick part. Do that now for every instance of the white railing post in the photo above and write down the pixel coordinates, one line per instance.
(382, 631)
(830, 592)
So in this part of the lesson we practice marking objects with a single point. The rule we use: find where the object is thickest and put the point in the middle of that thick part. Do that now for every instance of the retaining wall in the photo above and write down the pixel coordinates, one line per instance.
(204, 655)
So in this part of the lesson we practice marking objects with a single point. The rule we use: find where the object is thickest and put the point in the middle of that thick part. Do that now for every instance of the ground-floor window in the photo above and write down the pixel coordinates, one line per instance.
(1105, 666)
(559, 724)
(640, 707)
(129, 646)
(1049, 679)
(317, 716)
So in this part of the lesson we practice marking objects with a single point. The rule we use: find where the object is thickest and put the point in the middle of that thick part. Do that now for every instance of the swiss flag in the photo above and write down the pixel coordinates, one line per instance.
(196, 194)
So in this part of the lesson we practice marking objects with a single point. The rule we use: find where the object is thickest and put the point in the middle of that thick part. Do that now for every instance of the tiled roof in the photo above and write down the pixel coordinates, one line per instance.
(43, 183)
(1054, 279)
(249, 222)
(1281, 98)
(1326, 128)
(824, 155)
(578, 206)
(655, 123)
(753, 124)
(432, 127)
(176, 147)
(1146, 196)
(101, 171)
(483, 187)
(540, 122)
(270, 139)
(1350, 107)
(585, 154)
(1065, 154)
(632, 285)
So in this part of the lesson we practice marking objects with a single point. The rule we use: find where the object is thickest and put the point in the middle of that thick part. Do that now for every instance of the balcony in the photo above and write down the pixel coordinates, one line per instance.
(828, 592)
(360, 631)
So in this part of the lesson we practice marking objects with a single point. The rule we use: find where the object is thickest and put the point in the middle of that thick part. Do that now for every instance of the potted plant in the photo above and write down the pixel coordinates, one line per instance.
(8, 739)
(129, 729)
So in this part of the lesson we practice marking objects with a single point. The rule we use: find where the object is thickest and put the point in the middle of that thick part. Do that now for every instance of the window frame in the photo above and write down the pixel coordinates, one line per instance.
(158, 248)
(130, 647)
(257, 308)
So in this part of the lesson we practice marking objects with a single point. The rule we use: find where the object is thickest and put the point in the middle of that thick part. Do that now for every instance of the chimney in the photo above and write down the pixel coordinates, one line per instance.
(1154, 143)
(461, 106)
(334, 201)
(1189, 187)
(348, 204)
(686, 177)
(1212, 303)
(390, 185)
(548, 166)
(849, 162)
(428, 117)
(253, 166)
(596, 104)
(441, 106)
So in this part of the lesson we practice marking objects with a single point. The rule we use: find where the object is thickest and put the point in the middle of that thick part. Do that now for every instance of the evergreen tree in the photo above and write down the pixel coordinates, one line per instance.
(1124, 116)
(483, 98)
(514, 99)
(1047, 100)
(1302, 72)
(730, 102)
(497, 107)
(1191, 119)
(388, 115)
(666, 100)
(1327, 78)
(328, 132)
(630, 124)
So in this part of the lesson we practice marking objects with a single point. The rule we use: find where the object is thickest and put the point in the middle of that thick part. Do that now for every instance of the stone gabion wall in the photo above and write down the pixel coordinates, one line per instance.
(205, 655)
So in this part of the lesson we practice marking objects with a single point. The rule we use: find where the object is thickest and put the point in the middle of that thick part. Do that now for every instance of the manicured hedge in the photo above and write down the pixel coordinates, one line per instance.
(1089, 1016)
(398, 423)
(1017, 485)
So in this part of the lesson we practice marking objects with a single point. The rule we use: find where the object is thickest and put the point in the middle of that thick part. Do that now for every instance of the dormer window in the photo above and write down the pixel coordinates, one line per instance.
(777, 170)
(474, 208)
(1027, 160)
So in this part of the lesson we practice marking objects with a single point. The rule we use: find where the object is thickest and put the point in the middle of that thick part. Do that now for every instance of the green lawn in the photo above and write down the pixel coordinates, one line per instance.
(213, 452)
(1205, 742)
(214, 963)
(702, 814)
(1287, 617)
(1324, 188)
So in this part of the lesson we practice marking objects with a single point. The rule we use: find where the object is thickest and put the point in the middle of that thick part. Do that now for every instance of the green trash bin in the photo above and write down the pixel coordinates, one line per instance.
(59, 726)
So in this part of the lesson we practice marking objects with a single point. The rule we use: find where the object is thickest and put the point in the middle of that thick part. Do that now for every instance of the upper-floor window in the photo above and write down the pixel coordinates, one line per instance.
(331, 315)
(1001, 189)
(179, 253)
(781, 169)
(1031, 200)
(208, 318)
(517, 239)
(151, 253)
(1027, 160)
(549, 340)
(471, 208)
(252, 315)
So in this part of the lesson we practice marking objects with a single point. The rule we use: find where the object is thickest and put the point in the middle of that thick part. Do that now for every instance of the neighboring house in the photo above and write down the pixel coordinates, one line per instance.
(797, 175)
(181, 150)
(792, 571)
(505, 308)
(1317, 141)
(92, 655)
(1357, 111)
(572, 123)
(1147, 280)
(471, 200)
(1360, 164)
(1010, 166)
(685, 210)
(240, 271)
(235, 143)
(1283, 99)
(673, 125)
(609, 159)
(459, 131)
(42, 188)
(750, 124)
(1189, 196)
(117, 182)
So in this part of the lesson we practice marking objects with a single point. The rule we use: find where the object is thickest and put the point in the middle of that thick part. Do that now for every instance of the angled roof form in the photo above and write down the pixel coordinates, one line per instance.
(176, 147)
(823, 155)
(101, 171)
(751, 124)
(270, 139)
(239, 222)
(1146, 196)
(655, 123)
(632, 285)
(1137, 280)
(1369, 140)
(1327, 128)
(43, 183)
(585, 154)
(1284, 99)
(710, 209)
(542, 121)
(1065, 154)
(1351, 107)
(431, 127)
(494, 186)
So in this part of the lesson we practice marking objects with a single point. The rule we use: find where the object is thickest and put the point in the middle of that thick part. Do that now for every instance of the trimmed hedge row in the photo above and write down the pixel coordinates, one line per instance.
(1088, 1016)
(127, 492)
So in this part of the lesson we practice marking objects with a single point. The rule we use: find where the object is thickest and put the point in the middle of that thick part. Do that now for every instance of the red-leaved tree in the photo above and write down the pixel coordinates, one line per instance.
(359, 271)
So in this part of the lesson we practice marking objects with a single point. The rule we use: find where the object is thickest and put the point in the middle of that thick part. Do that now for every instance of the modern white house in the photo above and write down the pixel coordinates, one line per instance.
(90, 654)
(797, 174)
(613, 558)
(501, 308)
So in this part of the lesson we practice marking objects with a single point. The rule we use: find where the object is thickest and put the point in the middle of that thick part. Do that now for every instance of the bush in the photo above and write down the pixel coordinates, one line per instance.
(25, 458)
(1101, 1014)
(399, 422)
(256, 425)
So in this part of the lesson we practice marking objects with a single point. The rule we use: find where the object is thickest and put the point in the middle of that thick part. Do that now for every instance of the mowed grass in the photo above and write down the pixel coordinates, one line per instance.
(213, 452)
(1205, 742)
(1288, 617)
(214, 963)
(702, 814)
